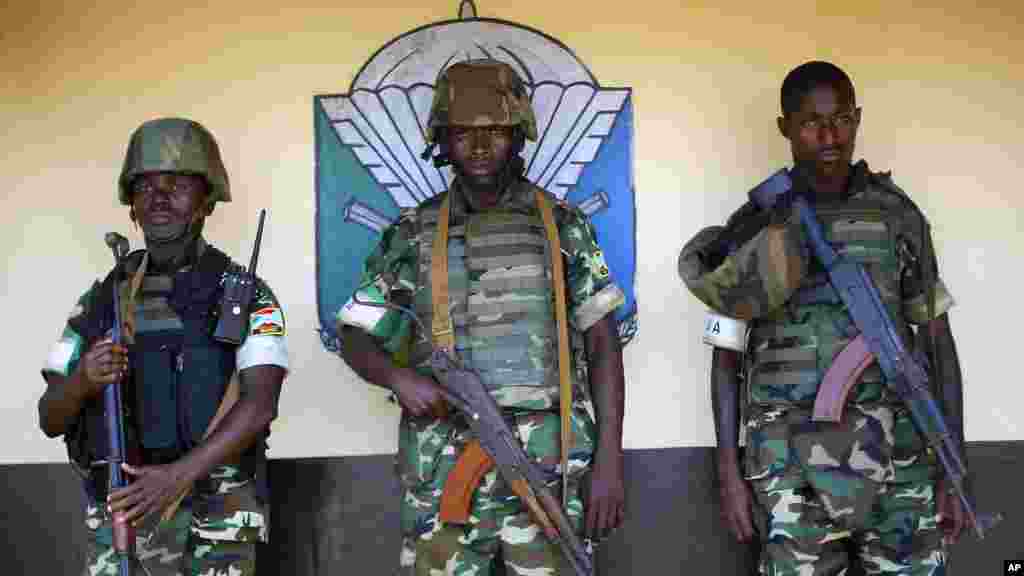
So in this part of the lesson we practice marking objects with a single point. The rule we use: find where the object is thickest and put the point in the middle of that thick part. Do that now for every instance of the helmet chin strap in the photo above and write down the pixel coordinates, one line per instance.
(170, 248)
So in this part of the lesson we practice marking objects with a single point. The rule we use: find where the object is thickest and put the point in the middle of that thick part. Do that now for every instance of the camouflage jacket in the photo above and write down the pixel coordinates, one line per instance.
(400, 269)
(773, 280)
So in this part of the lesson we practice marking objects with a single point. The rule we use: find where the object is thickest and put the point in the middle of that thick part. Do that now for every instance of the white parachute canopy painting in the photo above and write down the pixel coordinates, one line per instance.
(383, 117)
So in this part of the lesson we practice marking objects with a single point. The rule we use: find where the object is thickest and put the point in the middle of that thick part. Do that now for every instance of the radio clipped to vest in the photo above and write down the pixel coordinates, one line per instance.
(239, 289)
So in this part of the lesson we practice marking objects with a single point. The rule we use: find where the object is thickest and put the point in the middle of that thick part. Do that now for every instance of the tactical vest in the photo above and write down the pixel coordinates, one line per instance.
(500, 294)
(793, 347)
(178, 371)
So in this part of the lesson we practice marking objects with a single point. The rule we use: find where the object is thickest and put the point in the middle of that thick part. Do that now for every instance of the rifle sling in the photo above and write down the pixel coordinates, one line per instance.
(443, 335)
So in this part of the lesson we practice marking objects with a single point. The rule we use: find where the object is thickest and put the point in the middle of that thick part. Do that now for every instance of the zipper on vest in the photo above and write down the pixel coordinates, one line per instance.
(181, 402)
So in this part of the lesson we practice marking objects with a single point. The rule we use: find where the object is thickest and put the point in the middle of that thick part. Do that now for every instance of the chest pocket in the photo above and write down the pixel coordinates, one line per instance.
(180, 378)
(155, 377)
(204, 377)
(867, 237)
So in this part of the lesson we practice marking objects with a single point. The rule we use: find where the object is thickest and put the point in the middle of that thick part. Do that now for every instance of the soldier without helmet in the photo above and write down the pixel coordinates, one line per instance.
(809, 490)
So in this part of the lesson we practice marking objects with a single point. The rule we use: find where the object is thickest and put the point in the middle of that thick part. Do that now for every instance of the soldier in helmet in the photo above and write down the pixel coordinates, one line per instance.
(808, 490)
(176, 377)
(503, 326)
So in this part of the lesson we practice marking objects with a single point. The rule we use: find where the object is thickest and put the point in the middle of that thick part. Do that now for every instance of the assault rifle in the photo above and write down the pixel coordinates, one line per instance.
(463, 389)
(879, 340)
(124, 533)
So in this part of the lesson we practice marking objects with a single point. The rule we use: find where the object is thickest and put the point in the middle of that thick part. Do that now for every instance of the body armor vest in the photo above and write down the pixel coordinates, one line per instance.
(793, 347)
(500, 294)
(178, 373)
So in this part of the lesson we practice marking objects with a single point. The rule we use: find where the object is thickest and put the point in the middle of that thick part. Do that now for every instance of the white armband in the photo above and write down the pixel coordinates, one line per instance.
(365, 316)
(725, 332)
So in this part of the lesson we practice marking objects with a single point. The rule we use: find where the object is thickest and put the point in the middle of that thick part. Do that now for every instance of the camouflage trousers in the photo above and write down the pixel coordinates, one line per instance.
(499, 522)
(869, 478)
(213, 533)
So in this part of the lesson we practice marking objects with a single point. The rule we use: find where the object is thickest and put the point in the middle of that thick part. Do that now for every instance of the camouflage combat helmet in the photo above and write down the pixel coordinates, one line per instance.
(480, 93)
(174, 145)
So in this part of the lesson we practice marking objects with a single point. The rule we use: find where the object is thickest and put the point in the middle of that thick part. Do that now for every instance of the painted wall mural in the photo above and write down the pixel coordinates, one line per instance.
(369, 141)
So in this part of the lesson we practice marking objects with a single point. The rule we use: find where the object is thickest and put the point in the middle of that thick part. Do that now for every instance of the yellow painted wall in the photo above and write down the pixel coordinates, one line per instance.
(940, 87)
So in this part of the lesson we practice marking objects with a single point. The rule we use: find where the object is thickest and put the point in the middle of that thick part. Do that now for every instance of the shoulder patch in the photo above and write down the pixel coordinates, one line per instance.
(268, 321)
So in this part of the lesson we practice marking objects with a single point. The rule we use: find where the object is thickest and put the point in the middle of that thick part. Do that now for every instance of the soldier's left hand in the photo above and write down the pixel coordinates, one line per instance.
(951, 512)
(606, 497)
(154, 489)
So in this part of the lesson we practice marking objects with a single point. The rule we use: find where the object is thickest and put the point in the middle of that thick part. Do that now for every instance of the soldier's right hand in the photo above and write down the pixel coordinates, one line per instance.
(418, 394)
(736, 504)
(104, 363)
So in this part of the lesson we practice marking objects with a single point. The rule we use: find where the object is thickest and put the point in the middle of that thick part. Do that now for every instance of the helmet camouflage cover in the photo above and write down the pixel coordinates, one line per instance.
(174, 145)
(480, 93)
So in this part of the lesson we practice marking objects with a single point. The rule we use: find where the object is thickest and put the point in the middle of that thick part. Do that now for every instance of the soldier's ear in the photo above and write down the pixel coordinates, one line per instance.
(783, 128)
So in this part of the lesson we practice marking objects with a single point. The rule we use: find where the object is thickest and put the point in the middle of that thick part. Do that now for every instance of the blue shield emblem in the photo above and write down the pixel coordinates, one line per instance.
(369, 141)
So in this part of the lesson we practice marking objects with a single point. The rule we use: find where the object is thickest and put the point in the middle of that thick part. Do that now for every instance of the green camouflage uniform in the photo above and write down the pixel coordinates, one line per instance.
(215, 530)
(428, 449)
(871, 477)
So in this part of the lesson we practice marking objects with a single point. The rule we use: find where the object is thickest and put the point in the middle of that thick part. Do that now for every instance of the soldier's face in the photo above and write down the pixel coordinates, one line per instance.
(480, 152)
(166, 203)
(824, 130)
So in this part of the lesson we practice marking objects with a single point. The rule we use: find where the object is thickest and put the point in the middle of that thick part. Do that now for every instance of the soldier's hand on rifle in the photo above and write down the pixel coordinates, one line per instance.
(951, 512)
(104, 363)
(154, 489)
(419, 395)
(736, 503)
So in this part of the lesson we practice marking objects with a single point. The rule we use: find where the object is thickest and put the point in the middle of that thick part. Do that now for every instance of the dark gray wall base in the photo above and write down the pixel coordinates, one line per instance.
(339, 516)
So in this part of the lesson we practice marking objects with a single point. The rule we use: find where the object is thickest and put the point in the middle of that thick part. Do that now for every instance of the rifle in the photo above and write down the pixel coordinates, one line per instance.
(239, 289)
(495, 445)
(463, 389)
(879, 340)
(124, 533)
